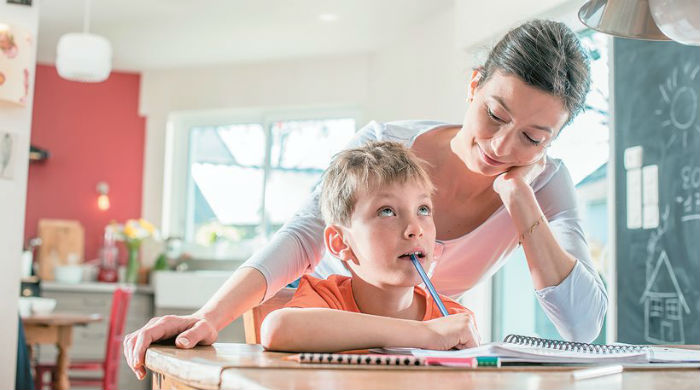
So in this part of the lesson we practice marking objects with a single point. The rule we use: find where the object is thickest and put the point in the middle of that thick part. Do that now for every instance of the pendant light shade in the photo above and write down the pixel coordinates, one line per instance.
(622, 18)
(83, 56)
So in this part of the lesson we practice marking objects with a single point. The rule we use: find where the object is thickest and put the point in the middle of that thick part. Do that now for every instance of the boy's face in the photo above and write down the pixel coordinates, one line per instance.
(388, 223)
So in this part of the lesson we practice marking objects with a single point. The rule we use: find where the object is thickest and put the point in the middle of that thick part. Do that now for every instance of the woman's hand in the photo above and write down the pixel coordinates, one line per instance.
(507, 181)
(454, 331)
(190, 331)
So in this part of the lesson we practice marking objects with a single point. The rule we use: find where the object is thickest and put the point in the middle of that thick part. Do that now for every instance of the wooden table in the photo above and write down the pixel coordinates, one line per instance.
(243, 366)
(56, 328)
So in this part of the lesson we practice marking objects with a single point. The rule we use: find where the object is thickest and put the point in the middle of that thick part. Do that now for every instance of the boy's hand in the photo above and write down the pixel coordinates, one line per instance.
(454, 331)
(190, 331)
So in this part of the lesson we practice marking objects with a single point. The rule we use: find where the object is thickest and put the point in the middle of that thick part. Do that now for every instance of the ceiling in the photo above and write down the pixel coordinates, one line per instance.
(156, 34)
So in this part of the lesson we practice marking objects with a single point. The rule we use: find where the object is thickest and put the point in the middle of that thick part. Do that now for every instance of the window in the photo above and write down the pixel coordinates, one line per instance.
(672, 310)
(226, 175)
(656, 307)
(583, 146)
(239, 176)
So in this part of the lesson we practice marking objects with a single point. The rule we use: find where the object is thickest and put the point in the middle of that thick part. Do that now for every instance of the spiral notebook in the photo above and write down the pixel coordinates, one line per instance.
(515, 348)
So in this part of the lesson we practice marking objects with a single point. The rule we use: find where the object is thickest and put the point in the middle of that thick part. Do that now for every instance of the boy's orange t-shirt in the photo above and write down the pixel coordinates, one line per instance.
(336, 293)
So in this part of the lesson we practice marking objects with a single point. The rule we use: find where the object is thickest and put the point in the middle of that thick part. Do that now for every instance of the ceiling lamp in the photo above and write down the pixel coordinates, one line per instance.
(83, 56)
(678, 19)
(622, 18)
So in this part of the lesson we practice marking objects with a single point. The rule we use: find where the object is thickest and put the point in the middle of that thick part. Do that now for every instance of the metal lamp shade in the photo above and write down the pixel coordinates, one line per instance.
(622, 18)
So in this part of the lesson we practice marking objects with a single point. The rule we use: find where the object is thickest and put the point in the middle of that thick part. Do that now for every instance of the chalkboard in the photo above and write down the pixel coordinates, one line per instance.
(657, 191)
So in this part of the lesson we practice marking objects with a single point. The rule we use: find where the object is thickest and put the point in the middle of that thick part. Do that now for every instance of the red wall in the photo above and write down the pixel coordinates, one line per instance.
(93, 133)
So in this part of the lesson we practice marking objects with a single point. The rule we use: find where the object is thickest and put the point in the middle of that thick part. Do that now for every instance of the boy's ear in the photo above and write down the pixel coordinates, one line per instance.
(335, 242)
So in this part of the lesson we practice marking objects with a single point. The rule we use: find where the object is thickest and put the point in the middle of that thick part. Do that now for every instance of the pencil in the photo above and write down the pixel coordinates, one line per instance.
(429, 285)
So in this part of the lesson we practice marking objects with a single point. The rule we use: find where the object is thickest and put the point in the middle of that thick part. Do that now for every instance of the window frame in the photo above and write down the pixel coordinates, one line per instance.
(178, 188)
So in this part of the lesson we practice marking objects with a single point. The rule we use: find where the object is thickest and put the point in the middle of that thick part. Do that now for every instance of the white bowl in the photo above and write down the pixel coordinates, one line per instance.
(43, 305)
(25, 306)
(68, 273)
(35, 305)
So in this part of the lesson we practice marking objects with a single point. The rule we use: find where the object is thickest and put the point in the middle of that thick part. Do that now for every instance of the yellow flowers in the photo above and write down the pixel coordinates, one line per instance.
(133, 231)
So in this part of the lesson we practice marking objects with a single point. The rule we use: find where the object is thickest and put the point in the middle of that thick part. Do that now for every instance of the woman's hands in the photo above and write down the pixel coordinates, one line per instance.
(190, 330)
(512, 179)
(242, 291)
(454, 331)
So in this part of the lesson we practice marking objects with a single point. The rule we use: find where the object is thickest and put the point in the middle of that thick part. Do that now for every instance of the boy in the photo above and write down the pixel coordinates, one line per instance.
(376, 203)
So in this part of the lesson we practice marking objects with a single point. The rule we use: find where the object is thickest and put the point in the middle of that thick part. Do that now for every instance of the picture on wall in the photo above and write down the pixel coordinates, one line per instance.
(15, 63)
(7, 146)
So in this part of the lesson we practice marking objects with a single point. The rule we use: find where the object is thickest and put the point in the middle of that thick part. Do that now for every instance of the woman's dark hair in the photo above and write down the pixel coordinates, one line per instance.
(546, 55)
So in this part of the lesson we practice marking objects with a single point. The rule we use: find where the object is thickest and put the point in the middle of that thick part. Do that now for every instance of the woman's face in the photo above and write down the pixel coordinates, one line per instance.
(508, 123)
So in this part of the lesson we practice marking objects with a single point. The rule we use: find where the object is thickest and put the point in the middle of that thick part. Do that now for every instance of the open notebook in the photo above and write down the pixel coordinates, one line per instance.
(516, 348)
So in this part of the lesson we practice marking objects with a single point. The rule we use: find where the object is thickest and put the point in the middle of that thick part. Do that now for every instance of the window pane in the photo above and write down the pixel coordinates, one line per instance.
(583, 145)
(672, 309)
(225, 178)
(301, 151)
(227, 172)
(242, 145)
(232, 193)
(309, 143)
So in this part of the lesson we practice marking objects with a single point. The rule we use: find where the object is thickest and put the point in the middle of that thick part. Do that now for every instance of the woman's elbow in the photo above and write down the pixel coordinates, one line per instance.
(587, 330)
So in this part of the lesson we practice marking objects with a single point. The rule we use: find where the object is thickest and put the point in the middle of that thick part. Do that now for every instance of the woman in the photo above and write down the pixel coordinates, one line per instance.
(495, 190)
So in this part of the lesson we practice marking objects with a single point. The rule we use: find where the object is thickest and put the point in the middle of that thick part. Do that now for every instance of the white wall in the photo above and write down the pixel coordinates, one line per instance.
(13, 194)
(482, 21)
(421, 76)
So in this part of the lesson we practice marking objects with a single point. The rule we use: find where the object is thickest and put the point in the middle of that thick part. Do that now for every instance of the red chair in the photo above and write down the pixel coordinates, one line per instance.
(110, 365)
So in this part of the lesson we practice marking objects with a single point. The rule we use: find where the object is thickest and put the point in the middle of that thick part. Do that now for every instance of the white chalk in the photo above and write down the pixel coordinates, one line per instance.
(596, 372)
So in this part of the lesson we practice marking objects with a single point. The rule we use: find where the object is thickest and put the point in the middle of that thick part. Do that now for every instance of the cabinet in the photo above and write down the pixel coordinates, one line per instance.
(181, 293)
(89, 341)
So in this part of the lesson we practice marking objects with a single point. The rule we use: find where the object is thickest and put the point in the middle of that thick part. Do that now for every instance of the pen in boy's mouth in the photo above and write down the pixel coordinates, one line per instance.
(418, 252)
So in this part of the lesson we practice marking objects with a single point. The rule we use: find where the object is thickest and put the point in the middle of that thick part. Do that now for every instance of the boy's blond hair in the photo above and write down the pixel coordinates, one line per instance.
(368, 167)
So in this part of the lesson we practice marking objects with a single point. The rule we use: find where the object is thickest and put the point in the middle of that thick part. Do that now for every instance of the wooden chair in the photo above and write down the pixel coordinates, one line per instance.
(110, 365)
(253, 318)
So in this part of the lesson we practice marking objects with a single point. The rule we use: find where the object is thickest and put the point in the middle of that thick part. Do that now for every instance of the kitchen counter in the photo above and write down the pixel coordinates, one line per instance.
(51, 285)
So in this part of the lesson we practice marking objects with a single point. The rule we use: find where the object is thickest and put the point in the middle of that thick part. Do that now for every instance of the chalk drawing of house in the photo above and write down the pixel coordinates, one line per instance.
(663, 300)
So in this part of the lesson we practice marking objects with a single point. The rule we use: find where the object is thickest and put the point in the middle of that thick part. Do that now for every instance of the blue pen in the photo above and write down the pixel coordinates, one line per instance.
(429, 285)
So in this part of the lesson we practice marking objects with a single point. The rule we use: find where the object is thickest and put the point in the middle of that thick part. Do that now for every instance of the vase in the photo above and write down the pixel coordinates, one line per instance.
(133, 263)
